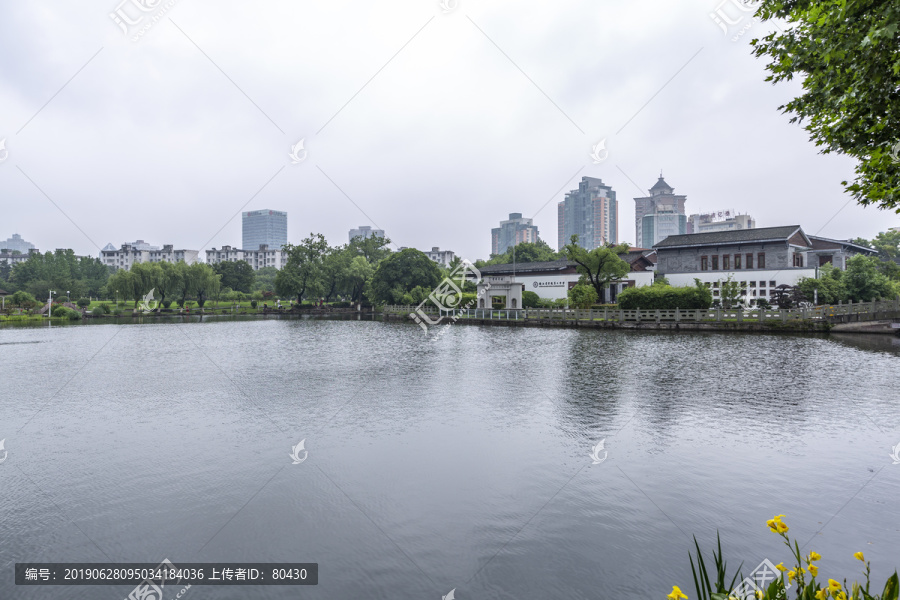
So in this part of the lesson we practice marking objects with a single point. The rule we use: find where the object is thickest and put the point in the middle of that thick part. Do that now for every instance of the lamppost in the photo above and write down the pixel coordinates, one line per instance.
(117, 299)
(68, 298)
(49, 303)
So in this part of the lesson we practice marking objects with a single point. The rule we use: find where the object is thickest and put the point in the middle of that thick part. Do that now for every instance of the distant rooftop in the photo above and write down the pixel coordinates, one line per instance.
(762, 234)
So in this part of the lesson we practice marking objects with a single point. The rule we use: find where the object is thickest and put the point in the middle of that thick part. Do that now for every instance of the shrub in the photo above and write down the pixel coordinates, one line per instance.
(530, 299)
(83, 303)
(167, 303)
(64, 312)
(665, 297)
(582, 296)
(100, 310)
(253, 303)
(340, 305)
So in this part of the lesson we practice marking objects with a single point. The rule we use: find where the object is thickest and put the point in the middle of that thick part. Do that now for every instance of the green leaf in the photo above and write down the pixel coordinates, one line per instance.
(891, 588)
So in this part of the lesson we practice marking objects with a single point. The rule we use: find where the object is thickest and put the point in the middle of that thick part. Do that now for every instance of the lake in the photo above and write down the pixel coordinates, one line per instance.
(463, 463)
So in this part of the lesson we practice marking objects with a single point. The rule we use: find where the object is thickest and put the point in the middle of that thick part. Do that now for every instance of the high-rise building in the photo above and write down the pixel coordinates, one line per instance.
(364, 231)
(659, 215)
(16, 243)
(511, 232)
(591, 212)
(264, 227)
(722, 220)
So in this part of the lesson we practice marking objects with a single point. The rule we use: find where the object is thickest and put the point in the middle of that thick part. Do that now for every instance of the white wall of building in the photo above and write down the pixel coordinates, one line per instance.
(556, 287)
(758, 283)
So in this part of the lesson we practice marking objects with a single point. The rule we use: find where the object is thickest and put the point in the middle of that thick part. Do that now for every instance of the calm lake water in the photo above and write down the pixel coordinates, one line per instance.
(462, 463)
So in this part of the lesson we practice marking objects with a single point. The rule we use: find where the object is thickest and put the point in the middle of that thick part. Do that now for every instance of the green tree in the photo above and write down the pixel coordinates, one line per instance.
(847, 58)
(359, 272)
(335, 264)
(530, 299)
(265, 280)
(238, 275)
(206, 282)
(184, 284)
(730, 292)
(302, 275)
(828, 288)
(582, 295)
(887, 243)
(400, 273)
(374, 249)
(864, 282)
(23, 300)
(600, 266)
(59, 271)
(526, 252)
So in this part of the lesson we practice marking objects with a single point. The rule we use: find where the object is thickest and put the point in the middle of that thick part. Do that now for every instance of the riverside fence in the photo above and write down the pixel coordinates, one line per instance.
(836, 313)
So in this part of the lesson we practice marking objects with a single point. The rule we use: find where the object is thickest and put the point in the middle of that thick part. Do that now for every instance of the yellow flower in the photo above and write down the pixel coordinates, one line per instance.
(800, 569)
(833, 586)
(791, 575)
(814, 570)
(781, 567)
(759, 594)
(676, 594)
(840, 596)
(822, 594)
(814, 556)
(859, 556)
(776, 525)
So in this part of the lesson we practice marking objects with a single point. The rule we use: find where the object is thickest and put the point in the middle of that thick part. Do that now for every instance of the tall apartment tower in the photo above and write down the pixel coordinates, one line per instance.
(659, 215)
(591, 212)
(514, 230)
(267, 227)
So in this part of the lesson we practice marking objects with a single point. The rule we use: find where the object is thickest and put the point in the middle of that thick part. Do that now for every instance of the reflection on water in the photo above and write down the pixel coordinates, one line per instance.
(462, 463)
(875, 342)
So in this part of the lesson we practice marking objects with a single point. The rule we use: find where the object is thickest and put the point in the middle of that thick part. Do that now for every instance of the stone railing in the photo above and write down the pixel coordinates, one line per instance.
(677, 315)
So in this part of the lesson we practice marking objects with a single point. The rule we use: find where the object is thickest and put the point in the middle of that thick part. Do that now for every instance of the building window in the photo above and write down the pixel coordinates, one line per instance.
(737, 261)
(798, 259)
(726, 262)
(761, 260)
(762, 284)
(715, 263)
(772, 284)
(704, 263)
(749, 261)
(753, 284)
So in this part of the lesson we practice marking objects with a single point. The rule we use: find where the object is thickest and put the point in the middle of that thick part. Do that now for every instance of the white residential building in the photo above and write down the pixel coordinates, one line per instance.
(263, 257)
(442, 257)
(128, 255)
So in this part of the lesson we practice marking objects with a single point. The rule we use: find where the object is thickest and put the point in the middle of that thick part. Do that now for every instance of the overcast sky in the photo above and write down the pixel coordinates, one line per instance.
(431, 125)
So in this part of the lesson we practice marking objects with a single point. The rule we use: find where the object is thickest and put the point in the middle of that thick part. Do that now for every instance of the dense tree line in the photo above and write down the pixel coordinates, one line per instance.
(60, 271)
(169, 282)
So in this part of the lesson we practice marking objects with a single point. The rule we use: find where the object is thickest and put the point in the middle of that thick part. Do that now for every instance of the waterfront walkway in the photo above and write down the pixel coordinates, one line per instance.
(816, 318)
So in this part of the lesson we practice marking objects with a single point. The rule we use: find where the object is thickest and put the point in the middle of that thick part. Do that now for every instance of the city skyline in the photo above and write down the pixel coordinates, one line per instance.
(82, 128)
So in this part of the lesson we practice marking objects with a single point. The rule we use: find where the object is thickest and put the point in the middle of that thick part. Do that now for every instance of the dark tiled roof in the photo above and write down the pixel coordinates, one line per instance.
(630, 257)
(4, 293)
(553, 265)
(762, 234)
(661, 184)
(863, 249)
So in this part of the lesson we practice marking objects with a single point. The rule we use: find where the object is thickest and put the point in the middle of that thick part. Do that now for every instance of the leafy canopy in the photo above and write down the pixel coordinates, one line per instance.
(600, 266)
(847, 56)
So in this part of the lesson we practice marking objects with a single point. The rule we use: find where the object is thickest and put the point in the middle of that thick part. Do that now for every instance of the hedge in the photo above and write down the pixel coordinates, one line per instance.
(665, 297)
